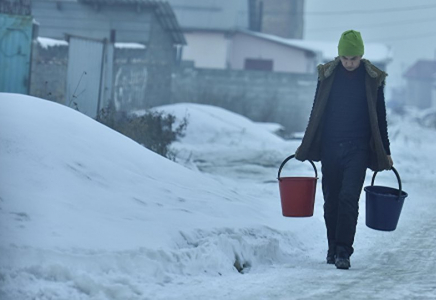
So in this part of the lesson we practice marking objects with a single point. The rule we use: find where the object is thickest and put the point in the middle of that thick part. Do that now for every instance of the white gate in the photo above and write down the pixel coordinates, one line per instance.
(85, 74)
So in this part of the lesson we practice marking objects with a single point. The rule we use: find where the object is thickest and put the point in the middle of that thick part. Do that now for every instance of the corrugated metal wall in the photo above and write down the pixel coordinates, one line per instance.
(15, 53)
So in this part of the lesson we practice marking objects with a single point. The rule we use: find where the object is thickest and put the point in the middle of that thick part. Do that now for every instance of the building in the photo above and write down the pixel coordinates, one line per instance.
(217, 30)
(206, 25)
(249, 50)
(214, 30)
(420, 89)
(92, 28)
(283, 18)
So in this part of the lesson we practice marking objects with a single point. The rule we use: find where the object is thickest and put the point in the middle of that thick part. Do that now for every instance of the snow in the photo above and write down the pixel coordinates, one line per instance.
(48, 42)
(130, 45)
(271, 127)
(86, 213)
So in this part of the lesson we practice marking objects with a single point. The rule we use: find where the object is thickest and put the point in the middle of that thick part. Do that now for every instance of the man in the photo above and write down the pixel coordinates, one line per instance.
(347, 132)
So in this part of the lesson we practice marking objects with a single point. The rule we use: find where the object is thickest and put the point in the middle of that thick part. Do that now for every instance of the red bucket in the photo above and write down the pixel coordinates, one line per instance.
(297, 194)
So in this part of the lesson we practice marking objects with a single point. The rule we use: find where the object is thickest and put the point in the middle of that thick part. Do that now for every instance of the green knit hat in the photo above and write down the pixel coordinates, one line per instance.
(351, 44)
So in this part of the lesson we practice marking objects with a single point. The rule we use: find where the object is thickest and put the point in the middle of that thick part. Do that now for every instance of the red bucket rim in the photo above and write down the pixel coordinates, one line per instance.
(298, 178)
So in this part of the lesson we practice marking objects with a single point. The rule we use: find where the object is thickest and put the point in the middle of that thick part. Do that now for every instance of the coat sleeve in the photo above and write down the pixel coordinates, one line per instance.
(297, 156)
(381, 116)
(313, 105)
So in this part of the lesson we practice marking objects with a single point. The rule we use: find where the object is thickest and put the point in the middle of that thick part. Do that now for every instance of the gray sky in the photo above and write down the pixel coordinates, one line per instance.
(408, 27)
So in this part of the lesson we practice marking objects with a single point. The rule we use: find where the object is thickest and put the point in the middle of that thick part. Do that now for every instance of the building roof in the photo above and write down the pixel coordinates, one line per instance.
(162, 9)
(422, 69)
(280, 40)
(217, 15)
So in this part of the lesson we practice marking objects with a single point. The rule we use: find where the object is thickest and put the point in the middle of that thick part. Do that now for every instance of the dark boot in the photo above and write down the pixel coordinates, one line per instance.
(331, 256)
(342, 260)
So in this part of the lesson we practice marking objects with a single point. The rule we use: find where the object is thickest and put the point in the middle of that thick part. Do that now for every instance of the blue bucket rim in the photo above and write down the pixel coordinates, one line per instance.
(395, 192)
(400, 192)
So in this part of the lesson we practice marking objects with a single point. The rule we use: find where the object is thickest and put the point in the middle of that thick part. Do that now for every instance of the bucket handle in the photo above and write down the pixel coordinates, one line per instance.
(290, 157)
(398, 178)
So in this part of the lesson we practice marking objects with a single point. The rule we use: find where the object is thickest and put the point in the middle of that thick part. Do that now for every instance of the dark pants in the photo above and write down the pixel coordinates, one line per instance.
(343, 173)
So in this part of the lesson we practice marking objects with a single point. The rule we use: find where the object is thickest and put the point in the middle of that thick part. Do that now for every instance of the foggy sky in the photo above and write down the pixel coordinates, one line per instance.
(410, 33)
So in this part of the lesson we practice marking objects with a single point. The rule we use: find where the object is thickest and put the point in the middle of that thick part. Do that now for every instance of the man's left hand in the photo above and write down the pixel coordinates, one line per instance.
(391, 162)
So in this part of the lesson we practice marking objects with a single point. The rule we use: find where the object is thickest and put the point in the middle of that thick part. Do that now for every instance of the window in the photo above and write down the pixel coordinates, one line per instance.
(258, 64)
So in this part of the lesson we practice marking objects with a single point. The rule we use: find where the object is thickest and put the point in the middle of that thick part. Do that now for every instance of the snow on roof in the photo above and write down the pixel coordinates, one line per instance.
(130, 45)
(48, 42)
(280, 40)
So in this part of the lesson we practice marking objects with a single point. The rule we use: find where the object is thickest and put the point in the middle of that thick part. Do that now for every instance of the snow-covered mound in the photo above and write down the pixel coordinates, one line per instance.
(80, 203)
(222, 142)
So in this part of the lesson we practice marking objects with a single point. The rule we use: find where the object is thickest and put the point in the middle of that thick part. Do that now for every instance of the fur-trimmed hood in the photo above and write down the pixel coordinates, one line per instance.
(326, 70)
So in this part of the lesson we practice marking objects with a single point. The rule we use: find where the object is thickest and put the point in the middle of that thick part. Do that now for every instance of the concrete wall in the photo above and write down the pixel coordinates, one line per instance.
(130, 77)
(138, 83)
(49, 72)
(285, 58)
(284, 98)
(160, 60)
(142, 78)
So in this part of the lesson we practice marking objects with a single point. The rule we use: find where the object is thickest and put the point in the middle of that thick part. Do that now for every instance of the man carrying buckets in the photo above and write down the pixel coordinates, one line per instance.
(347, 132)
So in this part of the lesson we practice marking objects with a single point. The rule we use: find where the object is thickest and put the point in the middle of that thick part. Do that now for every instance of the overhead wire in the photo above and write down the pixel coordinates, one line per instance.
(406, 22)
(369, 11)
(403, 38)
(383, 10)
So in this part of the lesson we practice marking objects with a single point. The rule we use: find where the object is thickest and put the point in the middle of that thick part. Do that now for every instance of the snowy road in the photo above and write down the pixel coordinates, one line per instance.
(395, 265)
(392, 274)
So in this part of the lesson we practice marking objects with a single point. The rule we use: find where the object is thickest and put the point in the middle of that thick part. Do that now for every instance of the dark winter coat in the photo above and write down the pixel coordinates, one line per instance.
(310, 148)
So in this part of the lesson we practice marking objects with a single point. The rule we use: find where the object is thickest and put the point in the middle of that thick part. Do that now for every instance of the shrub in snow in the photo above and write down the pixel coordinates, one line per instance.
(154, 130)
(428, 118)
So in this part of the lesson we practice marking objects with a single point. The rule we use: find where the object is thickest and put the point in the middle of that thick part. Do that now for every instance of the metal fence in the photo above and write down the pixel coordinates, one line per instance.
(15, 53)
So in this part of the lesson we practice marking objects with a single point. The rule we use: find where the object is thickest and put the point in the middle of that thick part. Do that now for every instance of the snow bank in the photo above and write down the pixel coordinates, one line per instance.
(88, 213)
(217, 139)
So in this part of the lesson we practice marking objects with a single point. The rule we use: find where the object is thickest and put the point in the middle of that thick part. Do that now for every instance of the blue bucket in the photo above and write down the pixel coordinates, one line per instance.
(384, 205)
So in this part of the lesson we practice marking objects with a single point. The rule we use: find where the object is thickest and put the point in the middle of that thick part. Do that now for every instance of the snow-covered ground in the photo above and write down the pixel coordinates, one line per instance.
(86, 213)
